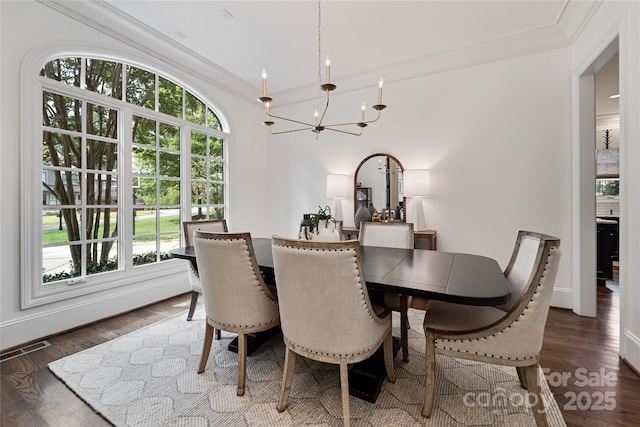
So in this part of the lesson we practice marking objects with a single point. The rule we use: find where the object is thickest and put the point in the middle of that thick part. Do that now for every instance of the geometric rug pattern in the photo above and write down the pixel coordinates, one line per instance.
(148, 378)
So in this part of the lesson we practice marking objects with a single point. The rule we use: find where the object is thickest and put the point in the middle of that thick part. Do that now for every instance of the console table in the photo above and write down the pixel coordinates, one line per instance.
(431, 236)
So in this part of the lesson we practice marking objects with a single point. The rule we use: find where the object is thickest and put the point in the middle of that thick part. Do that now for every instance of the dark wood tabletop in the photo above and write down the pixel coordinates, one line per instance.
(445, 276)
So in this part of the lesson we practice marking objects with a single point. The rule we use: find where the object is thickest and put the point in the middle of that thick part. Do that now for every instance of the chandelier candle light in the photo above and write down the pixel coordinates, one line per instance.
(318, 125)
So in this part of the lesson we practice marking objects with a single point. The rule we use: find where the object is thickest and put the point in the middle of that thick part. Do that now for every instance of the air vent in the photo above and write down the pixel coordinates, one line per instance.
(24, 350)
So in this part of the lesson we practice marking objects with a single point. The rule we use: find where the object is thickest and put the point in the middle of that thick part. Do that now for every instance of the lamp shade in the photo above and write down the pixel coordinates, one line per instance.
(417, 182)
(339, 186)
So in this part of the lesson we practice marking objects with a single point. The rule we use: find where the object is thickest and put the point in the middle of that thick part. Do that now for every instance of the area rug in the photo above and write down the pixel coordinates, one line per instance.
(148, 378)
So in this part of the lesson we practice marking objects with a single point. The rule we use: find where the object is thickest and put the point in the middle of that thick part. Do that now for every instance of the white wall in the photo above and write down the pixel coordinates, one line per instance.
(497, 138)
(247, 173)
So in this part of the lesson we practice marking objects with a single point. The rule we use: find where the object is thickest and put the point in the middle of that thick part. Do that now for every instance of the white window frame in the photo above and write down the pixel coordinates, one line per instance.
(33, 291)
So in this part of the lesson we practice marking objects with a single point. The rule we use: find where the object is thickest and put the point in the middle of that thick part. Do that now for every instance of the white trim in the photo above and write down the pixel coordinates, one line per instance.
(35, 326)
(562, 298)
(631, 345)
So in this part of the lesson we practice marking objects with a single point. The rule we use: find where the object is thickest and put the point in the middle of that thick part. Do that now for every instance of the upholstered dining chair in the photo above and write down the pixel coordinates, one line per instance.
(392, 235)
(236, 298)
(510, 334)
(218, 225)
(325, 311)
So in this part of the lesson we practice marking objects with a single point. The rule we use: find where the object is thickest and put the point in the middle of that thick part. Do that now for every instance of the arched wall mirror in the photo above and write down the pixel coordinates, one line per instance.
(378, 182)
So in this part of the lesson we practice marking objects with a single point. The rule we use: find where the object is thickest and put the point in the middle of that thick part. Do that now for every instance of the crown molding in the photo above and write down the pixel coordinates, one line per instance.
(576, 15)
(102, 16)
(109, 20)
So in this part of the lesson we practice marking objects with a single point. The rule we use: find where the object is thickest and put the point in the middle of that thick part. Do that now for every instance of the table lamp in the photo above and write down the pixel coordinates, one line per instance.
(417, 185)
(338, 187)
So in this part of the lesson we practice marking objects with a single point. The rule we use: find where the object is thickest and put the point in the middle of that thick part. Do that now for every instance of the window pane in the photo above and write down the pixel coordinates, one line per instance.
(62, 112)
(57, 263)
(198, 143)
(104, 257)
(144, 161)
(216, 213)
(217, 172)
(169, 137)
(145, 224)
(194, 109)
(103, 223)
(144, 131)
(147, 191)
(144, 250)
(170, 98)
(169, 220)
(216, 194)
(198, 168)
(102, 189)
(215, 147)
(169, 164)
(102, 121)
(168, 242)
(65, 70)
(104, 77)
(141, 87)
(169, 192)
(62, 188)
(60, 226)
(198, 193)
(61, 150)
(102, 155)
(198, 213)
(212, 120)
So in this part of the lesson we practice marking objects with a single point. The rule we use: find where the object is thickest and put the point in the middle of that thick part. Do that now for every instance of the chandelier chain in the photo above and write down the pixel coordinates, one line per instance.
(319, 124)
(319, 57)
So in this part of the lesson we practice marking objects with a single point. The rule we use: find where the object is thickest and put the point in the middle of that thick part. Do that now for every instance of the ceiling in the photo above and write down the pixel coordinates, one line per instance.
(362, 37)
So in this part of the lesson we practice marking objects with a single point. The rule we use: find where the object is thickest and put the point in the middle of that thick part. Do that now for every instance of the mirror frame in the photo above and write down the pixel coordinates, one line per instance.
(355, 183)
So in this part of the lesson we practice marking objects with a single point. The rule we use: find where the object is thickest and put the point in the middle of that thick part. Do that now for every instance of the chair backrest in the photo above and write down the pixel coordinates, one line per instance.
(323, 297)
(387, 234)
(216, 225)
(233, 288)
(531, 255)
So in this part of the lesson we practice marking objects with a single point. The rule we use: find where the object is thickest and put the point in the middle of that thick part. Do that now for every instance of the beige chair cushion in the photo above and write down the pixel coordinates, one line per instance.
(460, 317)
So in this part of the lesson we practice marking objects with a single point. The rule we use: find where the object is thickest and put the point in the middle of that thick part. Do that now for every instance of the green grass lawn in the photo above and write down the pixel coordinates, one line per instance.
(143, 226)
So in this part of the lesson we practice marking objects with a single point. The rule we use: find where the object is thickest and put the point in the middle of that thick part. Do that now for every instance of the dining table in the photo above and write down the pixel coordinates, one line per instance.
(444, 276)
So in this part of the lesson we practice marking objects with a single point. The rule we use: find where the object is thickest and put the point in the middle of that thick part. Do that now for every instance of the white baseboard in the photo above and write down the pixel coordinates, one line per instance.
(562, 298)
(33, 327)
(631, 350)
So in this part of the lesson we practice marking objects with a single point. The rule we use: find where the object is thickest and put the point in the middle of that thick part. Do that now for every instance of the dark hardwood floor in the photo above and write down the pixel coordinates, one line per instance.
(32, 396)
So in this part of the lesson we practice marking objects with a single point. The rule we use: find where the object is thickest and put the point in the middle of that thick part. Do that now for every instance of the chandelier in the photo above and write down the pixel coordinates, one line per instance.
(324, 90)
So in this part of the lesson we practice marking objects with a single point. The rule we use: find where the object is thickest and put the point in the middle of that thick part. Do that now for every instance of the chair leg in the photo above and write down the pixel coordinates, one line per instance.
(242, 362)
(430, 374)
(344, 385)
(404, 327)
(192, 307)
(521, 376)
(287, 379)
(218, 334)
(533, 383)
(387, 348)
(206, 348)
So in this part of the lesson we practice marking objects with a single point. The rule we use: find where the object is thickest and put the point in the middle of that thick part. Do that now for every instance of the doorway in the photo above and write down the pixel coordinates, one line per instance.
(585, 241)
(607, 110)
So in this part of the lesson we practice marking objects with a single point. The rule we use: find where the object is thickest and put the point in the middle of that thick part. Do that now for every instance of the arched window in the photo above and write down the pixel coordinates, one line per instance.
(127, 154)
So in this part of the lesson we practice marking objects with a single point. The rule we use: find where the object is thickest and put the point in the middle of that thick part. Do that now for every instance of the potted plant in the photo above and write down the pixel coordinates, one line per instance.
(317, 221)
